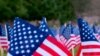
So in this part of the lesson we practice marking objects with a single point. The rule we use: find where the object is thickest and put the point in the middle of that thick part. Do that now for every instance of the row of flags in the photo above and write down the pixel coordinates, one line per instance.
(24, 39)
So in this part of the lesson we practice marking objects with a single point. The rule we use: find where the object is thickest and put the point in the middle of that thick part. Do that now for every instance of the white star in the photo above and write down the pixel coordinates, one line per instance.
(24, 33)
(43, 26)
(14, 27)
(12, 49)
(32, 45)
(25, 37)
(11, 44)
(19, 34)
(17, 52)
(31, 41)
(16, 43)
(42, 29)
(20, 42)
(34, 31)
(19, 29)
(46, 30)
(36, 36)
(28, 51)
(29, 32)
(20, 38)
(16, 48)
(30, 36)
(26, 41)
(18, 22)
(15, 39)
(23, 51)
(23, 25)
(41, 36)
(28, 28)
(18, 26)
(15, 35)
(14, 31)
(21, 47)
(24, 29)
(37, 41)
(27, 46)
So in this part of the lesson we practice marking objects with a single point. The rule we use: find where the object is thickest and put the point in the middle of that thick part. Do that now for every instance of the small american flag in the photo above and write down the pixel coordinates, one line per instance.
(3, 42)
(44, 27)
(73, 40)
(90, 45)
(28, 40)
(9, 31)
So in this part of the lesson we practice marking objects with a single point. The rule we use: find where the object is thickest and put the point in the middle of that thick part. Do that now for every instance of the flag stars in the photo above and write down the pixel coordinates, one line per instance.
(30, 36)
(20, 38)
(36, 36)
(28, 28)
(34, 31)
(27, 46)
(46, 30)
(42, 29)
(23, 25)
(19, 30)
(24, 29)
(26, 41)
(18, 22)
(23, 51)
(16, 48)
(16, 43)
(37, 41)
(18, 26)
(28, 51)
(24, 33)
(31, 41)
(21, 42)
(21, 47)
(29, 32)
(17, 52)
(32, 45)
(25, 37)
(41, 36)
(12, 49)
(19, 34)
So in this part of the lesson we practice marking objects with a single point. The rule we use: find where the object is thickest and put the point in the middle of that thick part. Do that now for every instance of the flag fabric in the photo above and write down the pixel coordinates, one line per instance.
(73, 40)
(90, 45)
(44, 27)
(9, 31)
(2, 31)
(28, 40)
(4, 42)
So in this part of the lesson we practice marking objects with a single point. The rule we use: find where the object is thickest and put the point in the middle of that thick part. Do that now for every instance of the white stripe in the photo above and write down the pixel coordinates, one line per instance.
(91, 50)
(54, 48)
(43, 52)
(8, 54)
(90, 43)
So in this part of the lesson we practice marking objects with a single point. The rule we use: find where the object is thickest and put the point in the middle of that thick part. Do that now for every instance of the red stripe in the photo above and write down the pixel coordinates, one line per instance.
(49, 50)
(90, 46)
(91, 54)
(54, 41)
(3, 42)
(3, 38)
(36, 54)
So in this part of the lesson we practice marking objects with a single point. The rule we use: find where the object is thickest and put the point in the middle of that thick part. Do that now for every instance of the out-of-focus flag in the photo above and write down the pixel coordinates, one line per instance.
(44, 27)
(4, 42)
(9, 31)
(73, 40)
(90, 45)
(28, 40)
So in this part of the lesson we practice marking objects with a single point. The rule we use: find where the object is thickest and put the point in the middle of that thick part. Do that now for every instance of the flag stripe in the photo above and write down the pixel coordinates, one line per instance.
(52, 42)
(49, 50)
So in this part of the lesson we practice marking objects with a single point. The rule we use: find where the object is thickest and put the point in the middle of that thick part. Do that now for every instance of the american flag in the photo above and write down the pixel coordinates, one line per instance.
(3, 39)
(90, 45)
(28, 40)
(3, 42)
(9, 31)
(44, 27)
(73, 40)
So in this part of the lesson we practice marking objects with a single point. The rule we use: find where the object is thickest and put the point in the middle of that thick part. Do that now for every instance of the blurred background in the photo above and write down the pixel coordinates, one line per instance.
(56, 11)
